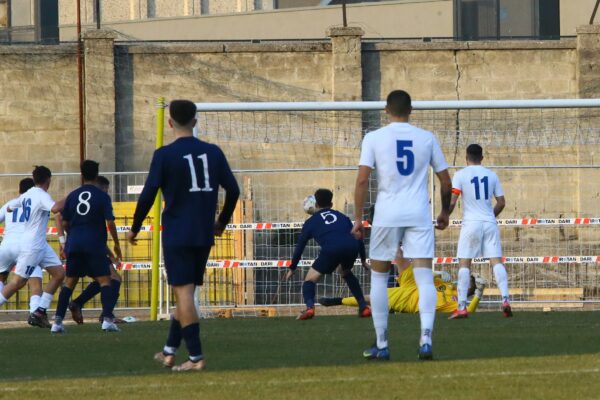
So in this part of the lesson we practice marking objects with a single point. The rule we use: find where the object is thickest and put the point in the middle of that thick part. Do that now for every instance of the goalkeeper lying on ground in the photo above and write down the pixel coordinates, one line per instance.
(405, 298)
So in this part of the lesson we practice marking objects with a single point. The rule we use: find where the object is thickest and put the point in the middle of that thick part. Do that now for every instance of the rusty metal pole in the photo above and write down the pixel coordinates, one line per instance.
(594, 12)
(345, 19)
(80, 86)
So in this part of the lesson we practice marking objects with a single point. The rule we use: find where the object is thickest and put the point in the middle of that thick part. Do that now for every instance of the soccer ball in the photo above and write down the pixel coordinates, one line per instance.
(309, 204)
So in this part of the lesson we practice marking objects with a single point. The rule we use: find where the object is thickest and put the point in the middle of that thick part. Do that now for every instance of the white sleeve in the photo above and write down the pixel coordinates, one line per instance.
(438, 161)
(367, 153)
(498, 187)
(46, 202)
(14, 203)
(457, 183)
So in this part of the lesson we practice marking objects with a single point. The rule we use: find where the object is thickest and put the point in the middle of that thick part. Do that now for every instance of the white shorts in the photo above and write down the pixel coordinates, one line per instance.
(29, 260)
(417, 242)
(9, 253)
(479, 239)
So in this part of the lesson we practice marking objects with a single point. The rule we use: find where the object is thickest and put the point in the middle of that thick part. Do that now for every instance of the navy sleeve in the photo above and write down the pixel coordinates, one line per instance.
(151, 187)
(232, 190)
(305, 236)
(108, 209)
(66, 214)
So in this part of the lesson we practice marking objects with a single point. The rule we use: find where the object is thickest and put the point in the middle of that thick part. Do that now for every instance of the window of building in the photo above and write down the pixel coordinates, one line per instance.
(506, 19)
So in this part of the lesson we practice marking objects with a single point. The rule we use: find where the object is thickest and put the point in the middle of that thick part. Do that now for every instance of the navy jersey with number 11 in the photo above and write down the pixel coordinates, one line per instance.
(87, 209)
(189, 173)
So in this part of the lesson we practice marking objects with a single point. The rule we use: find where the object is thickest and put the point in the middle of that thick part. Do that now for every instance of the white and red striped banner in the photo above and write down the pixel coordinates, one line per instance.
(436, 261)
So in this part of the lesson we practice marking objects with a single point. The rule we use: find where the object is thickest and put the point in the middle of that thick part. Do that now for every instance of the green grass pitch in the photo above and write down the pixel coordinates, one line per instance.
(531, 356)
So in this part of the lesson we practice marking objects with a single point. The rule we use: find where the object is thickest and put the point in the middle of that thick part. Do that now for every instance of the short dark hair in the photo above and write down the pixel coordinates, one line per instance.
(324, 198)
(475, 152)
(41, 174)
(89, 170)
(102, 180)
(182, 112)
(399, 103)
(25, 185)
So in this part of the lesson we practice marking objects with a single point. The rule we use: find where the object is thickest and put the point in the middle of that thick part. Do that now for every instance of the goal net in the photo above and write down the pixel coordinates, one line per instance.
(543, 151)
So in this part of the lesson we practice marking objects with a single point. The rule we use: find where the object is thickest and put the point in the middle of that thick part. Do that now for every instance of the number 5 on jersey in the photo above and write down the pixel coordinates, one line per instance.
(406, 158)
(195, 187)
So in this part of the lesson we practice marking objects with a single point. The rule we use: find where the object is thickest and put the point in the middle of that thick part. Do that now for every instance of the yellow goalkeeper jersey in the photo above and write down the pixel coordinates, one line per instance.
(405, 299)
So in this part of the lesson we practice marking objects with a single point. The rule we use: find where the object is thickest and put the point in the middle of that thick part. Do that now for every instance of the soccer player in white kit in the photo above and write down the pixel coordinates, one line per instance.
(14, 224)
(479, 234)
(401, 154)
(36, 206)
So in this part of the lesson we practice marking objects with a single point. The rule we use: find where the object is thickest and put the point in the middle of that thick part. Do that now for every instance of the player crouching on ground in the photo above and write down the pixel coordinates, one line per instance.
(331, 230)
(405, 297)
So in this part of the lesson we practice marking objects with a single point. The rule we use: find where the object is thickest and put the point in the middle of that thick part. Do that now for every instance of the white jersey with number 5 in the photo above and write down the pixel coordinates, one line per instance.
(477, 185)
(35, 206)
(401, 154)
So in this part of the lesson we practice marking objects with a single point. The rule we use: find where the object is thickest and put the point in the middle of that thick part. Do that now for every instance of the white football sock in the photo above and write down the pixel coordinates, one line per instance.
(464, 279)
(45, 301)
(34, 302)
(501, 280)
(379, 306)
(427, 302)
(3, 299)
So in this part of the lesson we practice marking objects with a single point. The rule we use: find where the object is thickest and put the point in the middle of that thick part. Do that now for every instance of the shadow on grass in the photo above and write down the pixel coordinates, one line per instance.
(239, 344)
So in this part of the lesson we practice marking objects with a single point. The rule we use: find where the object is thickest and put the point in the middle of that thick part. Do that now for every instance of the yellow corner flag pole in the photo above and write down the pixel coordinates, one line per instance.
(156, 211)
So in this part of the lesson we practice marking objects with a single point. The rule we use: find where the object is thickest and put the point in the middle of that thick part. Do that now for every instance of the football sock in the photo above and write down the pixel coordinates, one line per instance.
(116, 285)
(427, 302)
(45, 301)
(63, 302)
(191, 335)
(501, 280)
(2, 299)
(463, 287)
(34, 302)
(174, 338)
(107, 297)
(355, 289)
(379, 306)
(308, 291)
(1, 285)
(88, 293)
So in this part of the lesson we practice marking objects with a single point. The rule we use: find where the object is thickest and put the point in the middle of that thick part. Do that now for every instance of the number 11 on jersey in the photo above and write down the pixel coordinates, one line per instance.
(195, 187)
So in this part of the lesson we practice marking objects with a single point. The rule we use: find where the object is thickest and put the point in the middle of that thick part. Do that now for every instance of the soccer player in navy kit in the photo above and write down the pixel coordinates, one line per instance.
(87, 213)
(331, 230)
(189, 173)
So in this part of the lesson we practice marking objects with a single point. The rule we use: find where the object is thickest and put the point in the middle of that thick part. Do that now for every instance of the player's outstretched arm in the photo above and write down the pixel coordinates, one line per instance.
(500, 204)
(146, 199)
(360, 193)
(305, 236)
(453, 202)
(60, 228)
(58, 206)
(446, 197)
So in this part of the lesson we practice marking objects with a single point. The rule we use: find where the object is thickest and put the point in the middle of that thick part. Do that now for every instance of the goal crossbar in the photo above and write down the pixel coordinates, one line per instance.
(380, 105)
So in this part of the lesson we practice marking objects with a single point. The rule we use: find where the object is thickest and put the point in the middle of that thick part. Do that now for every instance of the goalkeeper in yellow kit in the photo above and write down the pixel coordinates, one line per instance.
(405, 298)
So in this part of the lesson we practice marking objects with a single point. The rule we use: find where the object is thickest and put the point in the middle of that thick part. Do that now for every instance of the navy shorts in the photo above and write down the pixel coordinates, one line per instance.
(328, 260)
(185, 264)
(87, 264)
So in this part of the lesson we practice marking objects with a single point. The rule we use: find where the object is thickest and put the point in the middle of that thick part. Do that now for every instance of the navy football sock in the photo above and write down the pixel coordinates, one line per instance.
(308, 291)
(63, 303)
(107, 297)
(88, 293)
(191, 335)
(116, 285)
(354, 286)
(174, 338)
